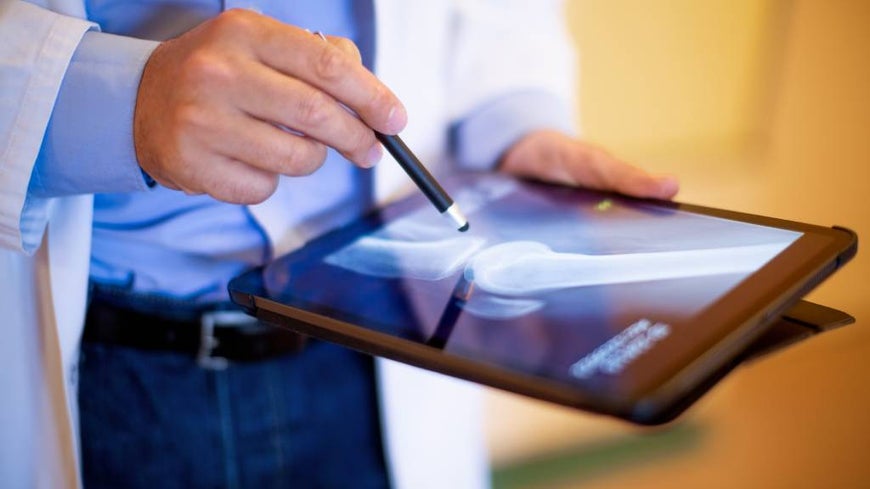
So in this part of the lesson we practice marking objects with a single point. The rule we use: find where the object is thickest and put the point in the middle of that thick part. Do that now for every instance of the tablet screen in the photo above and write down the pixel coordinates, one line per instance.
(590, 289)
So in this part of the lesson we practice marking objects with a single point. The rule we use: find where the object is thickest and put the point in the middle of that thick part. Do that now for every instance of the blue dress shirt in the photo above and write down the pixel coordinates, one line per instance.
(163, 244)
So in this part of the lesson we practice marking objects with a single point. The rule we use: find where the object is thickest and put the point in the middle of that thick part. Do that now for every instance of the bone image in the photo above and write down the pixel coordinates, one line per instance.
(495, 307)
(521, 268)
(390, 258)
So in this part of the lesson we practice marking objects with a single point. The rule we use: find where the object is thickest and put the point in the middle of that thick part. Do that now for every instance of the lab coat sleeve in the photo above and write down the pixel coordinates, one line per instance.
(481, 138)
(513, 70)
(36, 49)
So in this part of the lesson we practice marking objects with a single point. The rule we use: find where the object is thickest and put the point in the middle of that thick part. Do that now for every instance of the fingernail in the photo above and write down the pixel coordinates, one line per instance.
(374, 155)
(397, 119)
(668, 186)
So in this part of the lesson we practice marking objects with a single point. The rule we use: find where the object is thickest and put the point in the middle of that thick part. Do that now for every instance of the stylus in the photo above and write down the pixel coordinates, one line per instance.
(419, 174)
(423, 179)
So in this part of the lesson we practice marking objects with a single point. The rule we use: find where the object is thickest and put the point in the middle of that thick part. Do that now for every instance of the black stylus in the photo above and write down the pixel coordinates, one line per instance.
(419, 174)
(423, 179)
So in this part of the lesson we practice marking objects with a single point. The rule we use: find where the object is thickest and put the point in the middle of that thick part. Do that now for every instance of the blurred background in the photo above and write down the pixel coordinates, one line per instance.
(760, 106)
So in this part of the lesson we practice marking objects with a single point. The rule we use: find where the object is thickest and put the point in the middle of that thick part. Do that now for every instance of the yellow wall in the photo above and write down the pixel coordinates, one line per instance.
(676, 75)
(761, 106)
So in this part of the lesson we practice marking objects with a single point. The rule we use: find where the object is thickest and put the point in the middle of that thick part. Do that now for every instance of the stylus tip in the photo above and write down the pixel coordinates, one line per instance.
(458, 218)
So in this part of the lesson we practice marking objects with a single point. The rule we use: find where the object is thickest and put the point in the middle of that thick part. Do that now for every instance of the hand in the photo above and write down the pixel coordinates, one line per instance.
(214, 107)
(555, 157)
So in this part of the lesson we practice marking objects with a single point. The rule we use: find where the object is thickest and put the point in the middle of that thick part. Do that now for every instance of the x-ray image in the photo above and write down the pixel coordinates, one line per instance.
(563, 283)
(519, 256)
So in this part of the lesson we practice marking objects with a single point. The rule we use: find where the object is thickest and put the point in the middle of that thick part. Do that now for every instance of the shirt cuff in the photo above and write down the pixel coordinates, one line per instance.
(88, 145)
(479, 141)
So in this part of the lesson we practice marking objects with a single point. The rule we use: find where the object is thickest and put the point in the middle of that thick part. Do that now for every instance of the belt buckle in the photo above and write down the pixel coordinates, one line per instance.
(208, 342)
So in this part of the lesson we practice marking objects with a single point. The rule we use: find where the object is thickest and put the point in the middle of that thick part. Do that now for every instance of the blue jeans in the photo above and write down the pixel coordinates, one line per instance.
(158, 420)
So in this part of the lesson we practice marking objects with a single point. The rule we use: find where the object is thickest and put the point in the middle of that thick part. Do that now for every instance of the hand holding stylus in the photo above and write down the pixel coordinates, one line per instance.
(420, 175)
(212, 102)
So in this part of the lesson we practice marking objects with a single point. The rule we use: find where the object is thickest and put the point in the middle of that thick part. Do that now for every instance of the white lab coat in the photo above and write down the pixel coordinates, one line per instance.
(432, 424)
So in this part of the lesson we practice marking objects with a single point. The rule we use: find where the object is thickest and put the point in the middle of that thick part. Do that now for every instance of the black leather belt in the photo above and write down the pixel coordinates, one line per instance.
(214, 338)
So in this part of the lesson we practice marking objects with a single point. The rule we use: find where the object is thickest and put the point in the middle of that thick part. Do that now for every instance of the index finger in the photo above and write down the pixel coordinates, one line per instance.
(334, 71)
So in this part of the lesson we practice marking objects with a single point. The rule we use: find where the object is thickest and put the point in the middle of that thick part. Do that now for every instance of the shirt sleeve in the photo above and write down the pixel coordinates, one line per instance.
(88, 144)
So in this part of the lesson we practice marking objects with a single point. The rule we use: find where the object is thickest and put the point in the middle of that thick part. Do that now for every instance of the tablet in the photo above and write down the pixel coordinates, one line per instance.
(593, 300)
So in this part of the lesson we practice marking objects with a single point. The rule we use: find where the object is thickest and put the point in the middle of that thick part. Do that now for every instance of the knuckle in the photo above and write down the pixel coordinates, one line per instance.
(349, 48)
(202, 69)
(187, 117)
(237, 20)
(313, 110)
(330, 64)
(306, 158)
